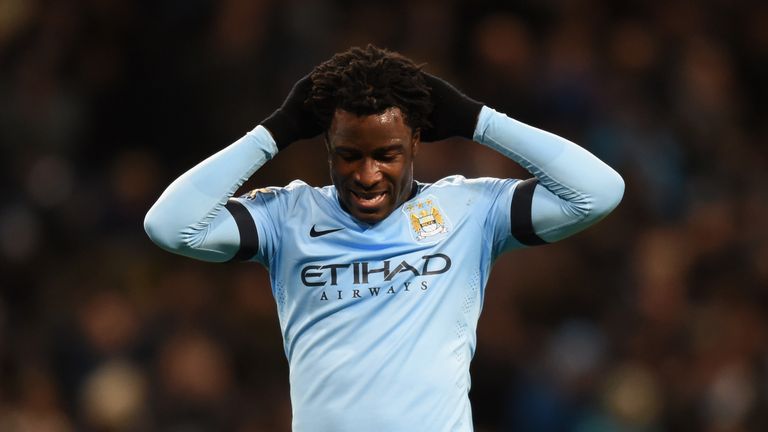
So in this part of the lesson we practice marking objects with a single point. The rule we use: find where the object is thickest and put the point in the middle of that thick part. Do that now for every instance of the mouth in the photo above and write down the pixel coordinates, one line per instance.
(368, 200)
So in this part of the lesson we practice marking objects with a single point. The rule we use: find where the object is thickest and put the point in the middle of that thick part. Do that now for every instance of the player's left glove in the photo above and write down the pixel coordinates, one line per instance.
(293, 121)
(453, 114)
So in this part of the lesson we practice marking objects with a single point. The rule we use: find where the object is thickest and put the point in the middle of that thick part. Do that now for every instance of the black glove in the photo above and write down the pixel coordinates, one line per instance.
(293, 121)
(454, 113)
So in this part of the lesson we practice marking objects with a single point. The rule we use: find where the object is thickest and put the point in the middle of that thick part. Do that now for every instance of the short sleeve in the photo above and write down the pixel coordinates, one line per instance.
(257, 214)
(509, 216)
(498, 194)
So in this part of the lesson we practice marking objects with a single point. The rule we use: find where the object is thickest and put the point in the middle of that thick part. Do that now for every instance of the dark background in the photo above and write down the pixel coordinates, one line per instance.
(654, 320)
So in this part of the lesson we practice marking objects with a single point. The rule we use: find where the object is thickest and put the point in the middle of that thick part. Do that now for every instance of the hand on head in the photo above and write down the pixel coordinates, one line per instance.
(453, 112)
(293, 121)
(369, 81)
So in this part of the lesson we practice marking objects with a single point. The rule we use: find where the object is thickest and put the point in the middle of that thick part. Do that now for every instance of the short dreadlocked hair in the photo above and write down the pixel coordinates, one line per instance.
(366, 81)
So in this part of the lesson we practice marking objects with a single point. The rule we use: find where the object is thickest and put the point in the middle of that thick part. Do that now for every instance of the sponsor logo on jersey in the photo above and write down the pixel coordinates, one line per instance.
(359, 279)
(319, 275)
(427, 221)
(318, 233)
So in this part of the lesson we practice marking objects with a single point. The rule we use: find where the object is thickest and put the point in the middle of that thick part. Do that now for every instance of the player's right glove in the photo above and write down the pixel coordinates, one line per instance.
(293, 121)
(453, 114)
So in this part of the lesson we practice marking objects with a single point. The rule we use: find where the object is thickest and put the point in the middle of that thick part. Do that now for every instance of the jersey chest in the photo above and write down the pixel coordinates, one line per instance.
(416, 245)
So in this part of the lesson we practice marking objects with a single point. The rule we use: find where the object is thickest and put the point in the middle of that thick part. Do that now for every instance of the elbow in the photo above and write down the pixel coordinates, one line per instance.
(161, 232)
(611, 193)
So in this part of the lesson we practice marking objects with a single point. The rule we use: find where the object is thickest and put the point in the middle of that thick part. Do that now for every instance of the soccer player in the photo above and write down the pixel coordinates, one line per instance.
(379, 279)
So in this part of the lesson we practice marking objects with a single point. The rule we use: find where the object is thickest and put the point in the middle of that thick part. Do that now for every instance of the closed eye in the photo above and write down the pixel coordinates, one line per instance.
(389, 154)
(386, 154)
(387, 157)
(348, 155)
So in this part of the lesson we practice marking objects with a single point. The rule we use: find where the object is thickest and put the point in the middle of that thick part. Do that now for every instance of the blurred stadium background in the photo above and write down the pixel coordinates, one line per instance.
(653, 321)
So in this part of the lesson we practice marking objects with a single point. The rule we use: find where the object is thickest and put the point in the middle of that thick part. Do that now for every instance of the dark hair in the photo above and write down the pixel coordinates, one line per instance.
(367, 81)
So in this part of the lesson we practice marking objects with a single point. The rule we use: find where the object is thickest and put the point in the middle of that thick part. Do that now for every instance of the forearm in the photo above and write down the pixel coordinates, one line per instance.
(183, 215)
(579, 189)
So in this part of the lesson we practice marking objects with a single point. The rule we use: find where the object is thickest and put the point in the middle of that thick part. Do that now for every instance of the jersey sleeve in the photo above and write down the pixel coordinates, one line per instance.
(259, 216)
(507, 214)
(194, 216)
(494, 211)
(571, 188)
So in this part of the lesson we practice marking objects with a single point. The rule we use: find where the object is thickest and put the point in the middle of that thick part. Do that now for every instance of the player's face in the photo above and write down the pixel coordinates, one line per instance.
(371, 159)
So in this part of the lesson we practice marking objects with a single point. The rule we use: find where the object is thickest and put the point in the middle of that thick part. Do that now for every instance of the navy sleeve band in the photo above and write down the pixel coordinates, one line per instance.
(522, 226)
(249, 237)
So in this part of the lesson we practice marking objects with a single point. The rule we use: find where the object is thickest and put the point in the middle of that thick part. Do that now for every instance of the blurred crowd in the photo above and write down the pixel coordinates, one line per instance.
(654, 320)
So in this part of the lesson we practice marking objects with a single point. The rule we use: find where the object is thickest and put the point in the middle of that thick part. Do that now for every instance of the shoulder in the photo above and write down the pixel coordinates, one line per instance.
(456, 183)
(295, 198)
(294, 189)
(481, 193)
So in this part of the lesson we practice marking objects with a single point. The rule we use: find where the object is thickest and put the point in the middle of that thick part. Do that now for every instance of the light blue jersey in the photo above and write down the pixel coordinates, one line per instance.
(379, 321)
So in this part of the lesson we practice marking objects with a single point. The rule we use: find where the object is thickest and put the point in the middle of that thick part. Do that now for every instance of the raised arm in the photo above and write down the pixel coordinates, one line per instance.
(190, 218)
(571, 188)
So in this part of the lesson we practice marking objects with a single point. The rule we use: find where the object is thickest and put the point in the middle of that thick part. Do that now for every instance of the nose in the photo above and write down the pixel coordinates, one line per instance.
(368, 173)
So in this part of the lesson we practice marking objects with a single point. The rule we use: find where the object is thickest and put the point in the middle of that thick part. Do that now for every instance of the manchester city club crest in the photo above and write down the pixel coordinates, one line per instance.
(427, 220)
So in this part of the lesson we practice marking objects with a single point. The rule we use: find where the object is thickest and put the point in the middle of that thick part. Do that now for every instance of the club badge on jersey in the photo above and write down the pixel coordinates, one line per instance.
(427, 220)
